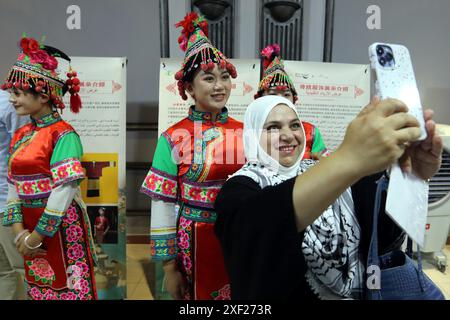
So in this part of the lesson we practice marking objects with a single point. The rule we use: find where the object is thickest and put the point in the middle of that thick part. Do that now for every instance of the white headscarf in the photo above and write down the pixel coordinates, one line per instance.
(330, 245)
(255, 117)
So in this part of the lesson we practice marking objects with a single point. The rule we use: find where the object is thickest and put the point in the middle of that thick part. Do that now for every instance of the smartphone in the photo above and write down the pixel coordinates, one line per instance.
(394, 77)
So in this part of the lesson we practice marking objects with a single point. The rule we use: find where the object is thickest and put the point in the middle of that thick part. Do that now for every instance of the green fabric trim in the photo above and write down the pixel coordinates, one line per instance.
(68, 146)
(48, 224)
(46, 120)
(318, 144)
(162, 159)
(12, 214)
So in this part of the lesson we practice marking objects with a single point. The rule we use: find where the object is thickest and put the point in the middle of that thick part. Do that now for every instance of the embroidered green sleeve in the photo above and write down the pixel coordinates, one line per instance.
(161, 180)
(65, 163)
(68, 146)
(65, 167)
(162, 160)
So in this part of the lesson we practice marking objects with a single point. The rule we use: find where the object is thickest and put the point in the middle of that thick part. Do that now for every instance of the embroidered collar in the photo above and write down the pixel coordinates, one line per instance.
(205, 117)
(46, 120)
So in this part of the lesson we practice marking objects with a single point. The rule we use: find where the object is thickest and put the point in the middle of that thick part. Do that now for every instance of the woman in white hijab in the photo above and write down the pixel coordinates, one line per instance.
(288, 229)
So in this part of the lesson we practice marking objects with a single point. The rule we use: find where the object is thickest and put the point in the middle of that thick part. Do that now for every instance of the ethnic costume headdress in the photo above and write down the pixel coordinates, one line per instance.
(36, 70)
(200, 53)
(274, 75)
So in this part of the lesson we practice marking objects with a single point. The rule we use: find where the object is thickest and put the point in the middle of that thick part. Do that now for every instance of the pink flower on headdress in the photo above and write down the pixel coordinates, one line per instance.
(50, 63)
(38, 56)
(267, 52)
(29, 45)
(33, 45)
(183, 45)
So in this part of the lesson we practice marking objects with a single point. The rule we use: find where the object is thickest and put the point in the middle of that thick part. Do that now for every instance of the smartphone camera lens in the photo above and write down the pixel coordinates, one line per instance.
(385, 56)
(380, 50)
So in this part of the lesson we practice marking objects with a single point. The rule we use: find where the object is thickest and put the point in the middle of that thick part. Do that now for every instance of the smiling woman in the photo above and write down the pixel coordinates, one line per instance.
(210, 90)
(283, 137)
(293, 228)
(44, 206)
(189, 158)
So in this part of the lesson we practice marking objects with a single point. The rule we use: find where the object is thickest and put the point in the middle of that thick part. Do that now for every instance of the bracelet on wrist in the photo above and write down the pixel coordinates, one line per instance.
(26, 244)
(19, 235)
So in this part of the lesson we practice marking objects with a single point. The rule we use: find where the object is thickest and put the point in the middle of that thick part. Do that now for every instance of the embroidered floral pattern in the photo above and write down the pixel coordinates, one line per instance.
(36, 294)
(33, 188)
(183, 239)
(68, 296)
(163, 247)
(66, 171)
(195, 115)
(199, 215)
(50, 295)
(41, 270)
(222, 294)
(49, 223)
(78, 271)
(204, 196)
(160, 185)
(34, 203)
(47, 120)
(74, 233)
(75, 252)
(71, 215)
(82, 267)
(13, 213)
(184, 244)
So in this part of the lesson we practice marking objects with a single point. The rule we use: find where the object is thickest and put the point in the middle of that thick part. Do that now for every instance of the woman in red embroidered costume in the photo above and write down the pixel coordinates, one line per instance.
(193, 158)
(44, 204)
(275, 81)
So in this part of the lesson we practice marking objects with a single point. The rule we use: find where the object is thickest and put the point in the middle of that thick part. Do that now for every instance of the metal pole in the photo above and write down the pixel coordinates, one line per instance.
(164, 28)
(328, 37)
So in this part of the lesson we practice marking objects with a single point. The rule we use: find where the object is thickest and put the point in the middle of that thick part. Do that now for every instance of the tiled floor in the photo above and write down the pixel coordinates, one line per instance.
(139, 269)
(140, 272)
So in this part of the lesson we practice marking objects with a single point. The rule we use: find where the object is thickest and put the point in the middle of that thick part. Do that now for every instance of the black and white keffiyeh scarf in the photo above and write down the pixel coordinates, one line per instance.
(330, 245)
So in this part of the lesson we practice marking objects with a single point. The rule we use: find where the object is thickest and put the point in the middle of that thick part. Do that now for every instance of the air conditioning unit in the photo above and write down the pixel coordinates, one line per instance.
(438, 220)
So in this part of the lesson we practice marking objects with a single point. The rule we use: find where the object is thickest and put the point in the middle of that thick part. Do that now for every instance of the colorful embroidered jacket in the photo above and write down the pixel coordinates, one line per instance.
(314, 141)
(43, 157)
(192, 161)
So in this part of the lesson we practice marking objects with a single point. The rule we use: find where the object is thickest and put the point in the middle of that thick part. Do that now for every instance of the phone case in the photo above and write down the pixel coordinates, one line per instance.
(398, 81)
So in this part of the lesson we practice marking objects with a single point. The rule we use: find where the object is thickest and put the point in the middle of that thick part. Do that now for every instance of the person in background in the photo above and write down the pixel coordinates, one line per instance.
(11, 262)
(44, 205)
(101, 226)
(276, 81)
